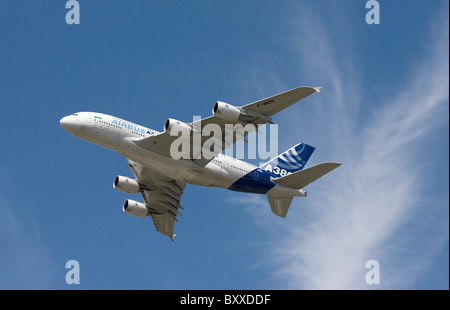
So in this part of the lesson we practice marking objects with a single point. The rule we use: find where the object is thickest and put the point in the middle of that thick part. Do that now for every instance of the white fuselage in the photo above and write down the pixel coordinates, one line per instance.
(222, 171)
(117, 134)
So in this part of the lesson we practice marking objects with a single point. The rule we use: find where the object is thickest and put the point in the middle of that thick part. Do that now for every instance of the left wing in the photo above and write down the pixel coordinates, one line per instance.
(161, 195)
(256, 113)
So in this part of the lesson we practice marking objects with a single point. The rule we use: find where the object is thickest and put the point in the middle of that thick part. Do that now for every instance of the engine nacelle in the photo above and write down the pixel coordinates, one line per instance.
(177, 126)
(135, 208)
(126, 185)
(226, 111)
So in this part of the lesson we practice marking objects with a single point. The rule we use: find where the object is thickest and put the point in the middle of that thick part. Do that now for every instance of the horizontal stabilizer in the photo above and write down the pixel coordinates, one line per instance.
(279, 204)
(306, 176)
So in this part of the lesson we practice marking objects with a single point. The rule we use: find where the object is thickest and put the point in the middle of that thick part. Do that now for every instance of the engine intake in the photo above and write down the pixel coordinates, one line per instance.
(226, 111)
(126, 185)
(135, 208)
(177, 126)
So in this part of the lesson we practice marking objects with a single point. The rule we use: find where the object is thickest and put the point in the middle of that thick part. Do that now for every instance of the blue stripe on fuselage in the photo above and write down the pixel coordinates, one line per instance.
(256, 181)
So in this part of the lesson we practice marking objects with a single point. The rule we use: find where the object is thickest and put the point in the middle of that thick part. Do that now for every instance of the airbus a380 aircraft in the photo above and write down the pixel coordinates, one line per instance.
(161, 179)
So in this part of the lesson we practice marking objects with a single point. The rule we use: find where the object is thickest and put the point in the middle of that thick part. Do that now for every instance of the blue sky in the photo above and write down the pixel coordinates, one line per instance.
(383, 112)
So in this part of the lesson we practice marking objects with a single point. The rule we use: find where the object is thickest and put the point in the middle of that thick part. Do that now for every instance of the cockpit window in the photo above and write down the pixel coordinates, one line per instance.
(75, 114)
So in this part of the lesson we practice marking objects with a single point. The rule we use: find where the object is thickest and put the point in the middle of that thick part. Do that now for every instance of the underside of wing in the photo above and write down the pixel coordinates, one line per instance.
(161, 195)
(164, 223)
(204, 139)
(272, 105)
(159, 143)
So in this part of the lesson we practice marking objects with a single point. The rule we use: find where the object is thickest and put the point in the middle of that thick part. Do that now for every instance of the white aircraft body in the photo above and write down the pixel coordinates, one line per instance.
(161, 179)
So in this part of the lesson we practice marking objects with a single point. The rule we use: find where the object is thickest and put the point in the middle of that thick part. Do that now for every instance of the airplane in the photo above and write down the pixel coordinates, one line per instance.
(161, 179)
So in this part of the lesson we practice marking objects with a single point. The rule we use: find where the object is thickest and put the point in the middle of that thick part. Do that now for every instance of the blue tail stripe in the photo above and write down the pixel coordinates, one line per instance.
(289, 166)
(292, 160)
(259, 180)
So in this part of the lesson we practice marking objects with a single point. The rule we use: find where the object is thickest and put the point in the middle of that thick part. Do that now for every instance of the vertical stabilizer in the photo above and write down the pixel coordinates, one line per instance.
(290, 161)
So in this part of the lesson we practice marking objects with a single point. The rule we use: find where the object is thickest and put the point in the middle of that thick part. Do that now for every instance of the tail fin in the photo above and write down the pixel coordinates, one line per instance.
(290, 161)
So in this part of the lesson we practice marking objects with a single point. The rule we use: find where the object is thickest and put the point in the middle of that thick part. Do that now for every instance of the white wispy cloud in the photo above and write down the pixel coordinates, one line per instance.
(372, 207)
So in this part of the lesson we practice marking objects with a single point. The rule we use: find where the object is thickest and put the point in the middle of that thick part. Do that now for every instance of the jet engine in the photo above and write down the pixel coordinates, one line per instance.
(126, 185)
(135, 208)
(226, 111)
(177, 126)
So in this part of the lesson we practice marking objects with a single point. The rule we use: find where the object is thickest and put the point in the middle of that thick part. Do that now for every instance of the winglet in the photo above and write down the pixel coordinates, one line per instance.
(317, 89)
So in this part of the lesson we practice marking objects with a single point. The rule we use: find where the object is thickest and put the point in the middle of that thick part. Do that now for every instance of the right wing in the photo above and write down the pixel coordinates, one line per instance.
(256, 113)
(161, 195)
(272, 105)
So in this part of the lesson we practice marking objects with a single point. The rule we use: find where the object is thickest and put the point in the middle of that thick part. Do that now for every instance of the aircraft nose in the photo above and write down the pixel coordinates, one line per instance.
(70, 124)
